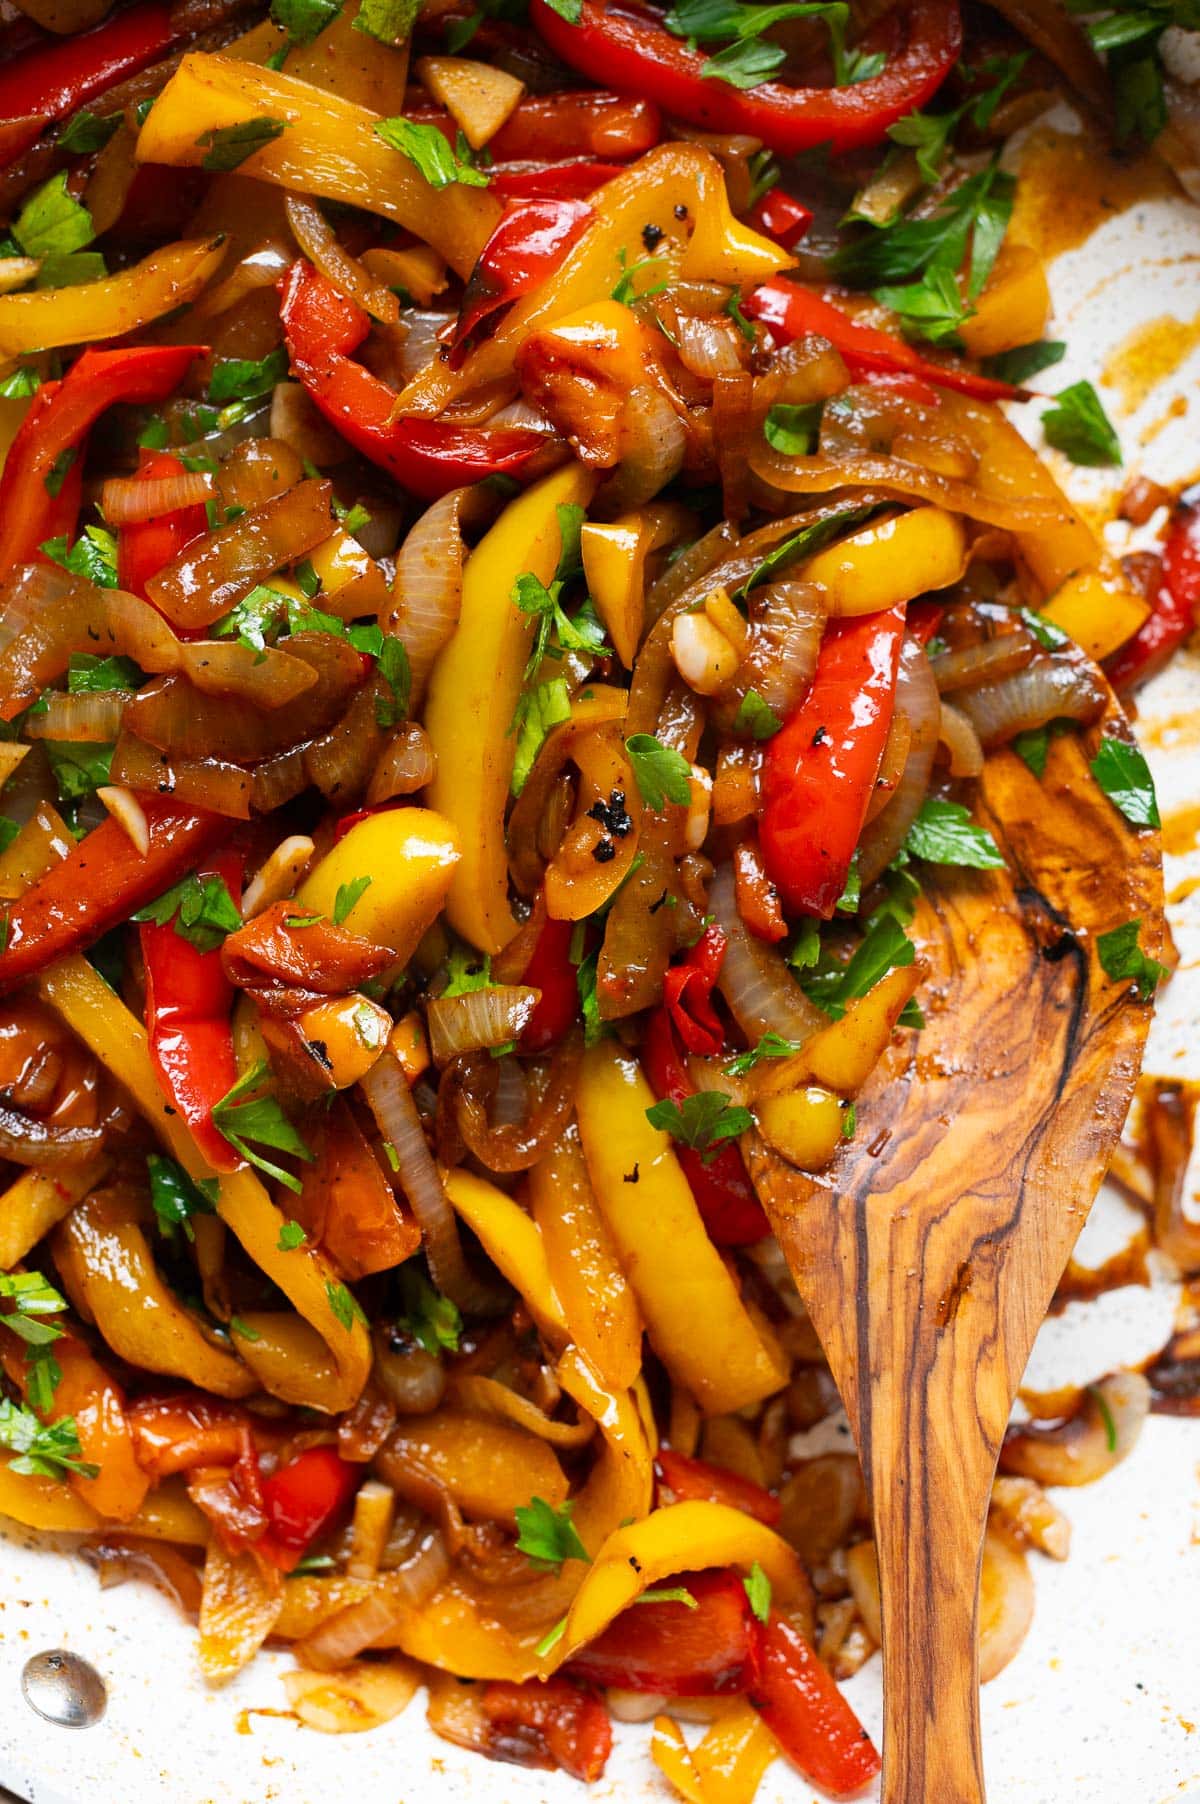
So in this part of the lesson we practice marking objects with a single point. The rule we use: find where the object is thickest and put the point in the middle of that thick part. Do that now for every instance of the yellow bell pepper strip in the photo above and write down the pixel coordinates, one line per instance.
(513, 1242)
(329, 147)
(104, 1259)
(1014, 306)
(1100, 613)
(614, 563)
(474, 689)
(680, 1537)
(489, 1467)
(672, 1756)
(321, 1361)
(648, 1206)
(37, 1201)
(410, 856)
(488, 1397)
(44, 1503)
(843, 1055)
(725, 1767)
(647, 197)
(890, 561)
(111, 306)
(802, 1126)
(596, 1295)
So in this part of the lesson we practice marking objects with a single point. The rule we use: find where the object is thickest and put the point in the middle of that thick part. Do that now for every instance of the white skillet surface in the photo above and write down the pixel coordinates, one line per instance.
(1101, 1706)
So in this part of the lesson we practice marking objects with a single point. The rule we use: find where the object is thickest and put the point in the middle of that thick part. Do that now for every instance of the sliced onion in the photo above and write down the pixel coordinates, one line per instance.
(361, 1697)
(507, 1147)
(28, 593)
(961, 741)
(393, 1597)
(760, 990)
(317, 239)
(423, 336)
(895, 476)
(1050, 689)
(788, 620)
(480, 1019)
(208, 784)
(91, 718)
(653, 443)
(427, 592)
(295, 421)
(42, 1144)
(125, 500)
(982, 663)
(125, 808)
(277, 781)
(917, 700)
(406, 764)
(117, 1558)
(708, 347)
(212, 573)
(1102, 1432)
(390, 1100)
(341, 761)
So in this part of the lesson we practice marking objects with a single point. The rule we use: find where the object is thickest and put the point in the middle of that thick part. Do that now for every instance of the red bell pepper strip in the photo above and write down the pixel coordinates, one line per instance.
(302, 1500)
(711, 1651)
(724, 1194)
(55, 79)
(100, 883)
(923, 619)
(632, 51)
(573, 180)
(551, 1723)
(429, 457)
(808, 1715)
(781, 216)
(526, 247)
(695, 1480)
(189, 1010)
(577, 122)
(819, 769)
(791, 310)
(550, 970)
(60, 416)
(1175, 610)
(144, 547)
(687, 992)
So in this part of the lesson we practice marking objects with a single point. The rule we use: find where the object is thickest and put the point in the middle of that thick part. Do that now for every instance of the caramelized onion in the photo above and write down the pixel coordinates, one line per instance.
(406, 764)
(392, 1597)
(1101, 1433)
(119, 1557)
(480, 1019)
(93, 718)
(653, 443)
(961, 741)
(212, 573)
(1050, 689)
(917, 701)
(386, 1090)
(760, 990)
(974, 664)
(42, 1144)
(317, 239)
(513, 1146)
(427, 592)
(895, 476)
(207, 783)
(125, 500)
(708, 347)
(788, 619)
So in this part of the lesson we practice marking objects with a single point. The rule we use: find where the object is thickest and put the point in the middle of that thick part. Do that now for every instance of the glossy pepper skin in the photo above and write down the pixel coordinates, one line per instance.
(577, 122)
(819, 769)
(302, 1500)
(189, 1010)
(781, 216)
(60, 416)
(711, 1651)
(805, 1711)
(550, 970)
(722, 1190)
(1176, 606)
(694, 1478)
(791, 311)
(687, 993)
(572, 180)
(145, 546)
(100, 883)
(429, 457)
(631, 50)
(526, 247)
(55, 78)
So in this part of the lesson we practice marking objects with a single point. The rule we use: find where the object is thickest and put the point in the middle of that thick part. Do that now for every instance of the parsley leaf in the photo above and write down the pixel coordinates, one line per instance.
(86, 131)
(44, 1450)
(177, 1197)
(19, 384)
(43, 1375)
(547, 1536)
(756, 717)
(291, 1236)
(432, 1319)
(391, 21)
(1121, 955)
(758, 1591)
(832, 985)
(1123, 774)
(244, 1119)
(747, 62)
(247, 378)
(348, 894)
(944, 833)
(230, 145)
(626, 290)
(702, 1121)
(304, 20)
(430, 154)
(391, 661)
(34, 1298)
(771, 1046)
(586, 974)
(79, 767)
(52, 222)
(59, 470)
(544, 706)
(661, 773)
(1078, 426)
(805, 543)
(667, 1594)
(93, 556)
(792, 431)
(1033, 748)
(570, 10)
(344, 1304)
(933, 309)
(88, 674)
(1023, 361)
(201, 908)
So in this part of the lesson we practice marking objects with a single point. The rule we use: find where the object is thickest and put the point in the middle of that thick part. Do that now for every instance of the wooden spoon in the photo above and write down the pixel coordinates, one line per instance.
(928, 1253)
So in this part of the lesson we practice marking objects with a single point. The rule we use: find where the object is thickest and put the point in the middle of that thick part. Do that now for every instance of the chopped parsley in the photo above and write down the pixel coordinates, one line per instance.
(247, 378)
(176, 1196)
(86, 132)
(430, 154)
(291, 1236)
(52, 223)
(1078, 426)
(348, 894)
(1121, 956)
(793, 431)
(758, 1591)
(250, 1122)
(702, 1121)
(944, 833)
(201, 910)
(228, 146)
(756, 717)
(1123, 774)
(44, 1450)
(344, 1304)
(93, 556)
(432, 1319)
(661, 773)
(1018, 365)
(547, 1536)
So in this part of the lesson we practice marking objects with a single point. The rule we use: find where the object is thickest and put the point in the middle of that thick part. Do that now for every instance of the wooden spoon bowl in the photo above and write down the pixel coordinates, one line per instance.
(928, 1253)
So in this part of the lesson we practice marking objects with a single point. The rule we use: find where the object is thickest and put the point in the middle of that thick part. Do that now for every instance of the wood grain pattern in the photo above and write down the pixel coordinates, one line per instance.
(928, 1253)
